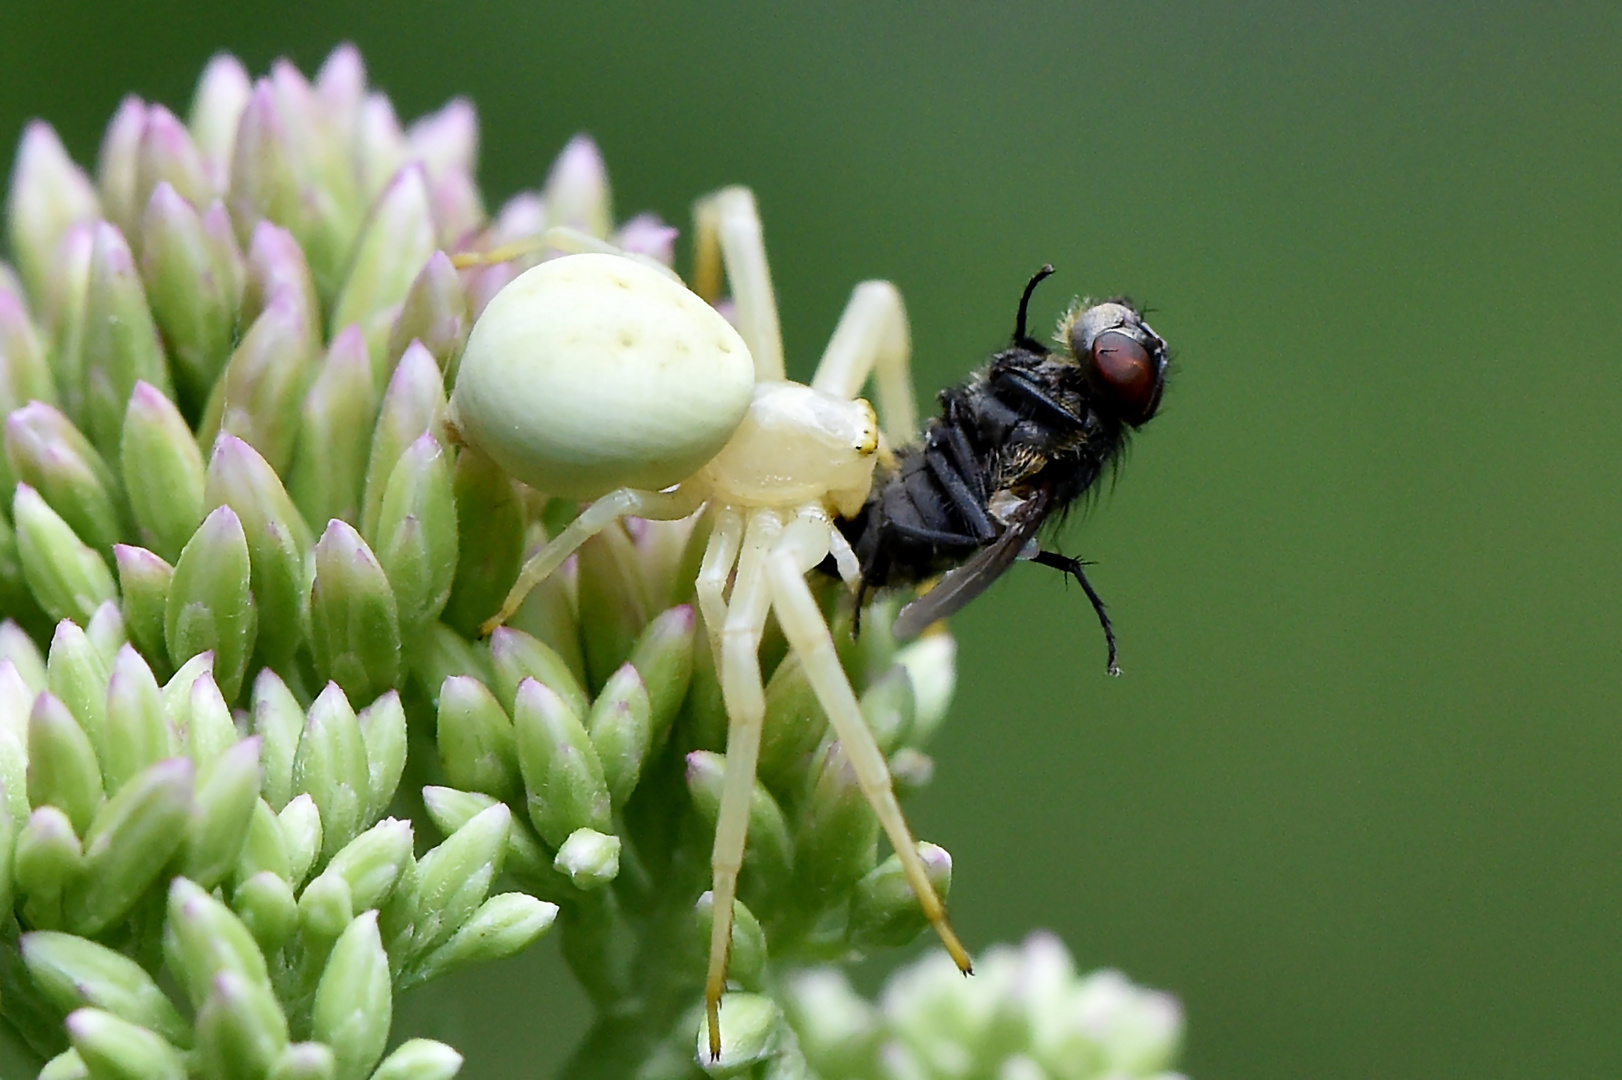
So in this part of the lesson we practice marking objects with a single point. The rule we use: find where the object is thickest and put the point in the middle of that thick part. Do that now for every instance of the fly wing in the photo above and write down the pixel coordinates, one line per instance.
(957, 587)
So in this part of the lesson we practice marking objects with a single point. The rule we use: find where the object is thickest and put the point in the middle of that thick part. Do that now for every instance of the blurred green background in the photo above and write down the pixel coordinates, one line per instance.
(1358, 799)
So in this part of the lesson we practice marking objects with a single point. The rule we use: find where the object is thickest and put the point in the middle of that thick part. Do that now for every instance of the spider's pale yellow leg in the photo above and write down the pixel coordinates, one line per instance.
(720, 554)
(873, 338)
(727, 235)
(807, 634)
(559, 238)
(626, 502)
(745, 699)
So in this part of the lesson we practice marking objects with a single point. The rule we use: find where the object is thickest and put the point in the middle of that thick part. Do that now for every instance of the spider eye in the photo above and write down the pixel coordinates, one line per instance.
(1124, 368)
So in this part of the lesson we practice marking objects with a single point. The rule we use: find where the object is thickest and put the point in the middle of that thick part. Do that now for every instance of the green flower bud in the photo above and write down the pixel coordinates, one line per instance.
(454, 878)
(138, 733)
(490, 541)
(19, 648)
(194, 274)
(16, 702)
(476, 744)
(450, 809)
(241, 1032)
(883, 910)
(45, 450)
(747, 956)
(115, 161)
(503, 926)
(562, 774)
(663, 656)
(305, 1061)
(72, 972)
(354, 624)
(380, 144)
(227, 794)
(167, 155)
(621, 728)
(752, 1030)
(331, 768)
(67, 1065)
(48, 193)
(888, 708)
(163, 471)
(8, 841)
(444, 654)
(203, 938)
(448, 139)
(119, 342)
(610, 586)
(360, 876)
(127, 847)
(62, 309)
(177, 693)
(266, 906)
(116, 1049)
(837, 833)
(412, 404)
(340, 89)
(216, 110)
(211, 603)
(277, 540)
(208, 728)
(576, 190)
(397, 239)
(435, 313)
(276, 267)
(517, 657)
(588, 858)
(911, 770)
(47, 856)
(76, 674)
(105, 632)
(353, 1001)
(279, 723)
(335, 436)
(143, 581)
(383, 730)
(62, 767)
(548, 613)
(300, 822)
(793, 728)
(420, 1059)
(258, 399)
(769, 857)
(264, 849)
(24, 373)
(68, 578)
(416, 533)
(276, 174)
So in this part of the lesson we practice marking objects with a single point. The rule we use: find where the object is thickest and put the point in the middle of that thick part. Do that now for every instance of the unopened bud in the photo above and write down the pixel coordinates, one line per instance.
(577, 192)
(517, 657)
(883, 910)
(116, 162)
(335, 435)
(746, 957)
(412, 404)
(127, 847)
(163, 471)
(475, 737)
(193, 273)
(419, 1059)
(354, 622)
(589, 858)
(203, 938)
(211, 603)
(663, 656)
(137, 733)
(360, 876)
(48, 193)
(216, 110)
(454, 878)
(300, 822)
(241, 1029)
(67, 577)
(143, 580)
(612, 591)
(71, 971)
(259, 397)
(278, 721)
(416, 534)
(354, 1003)
(331, 767)
(227, 793)
(266, 905)
(119, 343)
(435, 313)
(562, 774)
(396, 240)
(77, 675)
(167, 155)
(24, 373)
(751, 1032)
(490, 541)
(62, 767)
(45, 450)
(768, 858)
(110, 1046)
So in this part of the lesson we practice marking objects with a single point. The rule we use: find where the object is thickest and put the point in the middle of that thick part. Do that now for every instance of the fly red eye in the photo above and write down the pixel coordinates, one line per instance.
(1124, 367)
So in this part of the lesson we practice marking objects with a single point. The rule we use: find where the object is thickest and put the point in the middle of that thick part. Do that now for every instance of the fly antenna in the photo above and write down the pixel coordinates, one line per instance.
(1021, 339)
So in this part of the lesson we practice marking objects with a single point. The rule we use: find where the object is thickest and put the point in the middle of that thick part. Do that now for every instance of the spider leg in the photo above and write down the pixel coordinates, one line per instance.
(560, 238)
(745, 698)
(808, 635)
(873, 338)
(720, 555)
(626, 502)
(726, 231)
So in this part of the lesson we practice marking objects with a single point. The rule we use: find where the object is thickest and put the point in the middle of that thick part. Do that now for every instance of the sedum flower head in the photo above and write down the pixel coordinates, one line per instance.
(242, 694)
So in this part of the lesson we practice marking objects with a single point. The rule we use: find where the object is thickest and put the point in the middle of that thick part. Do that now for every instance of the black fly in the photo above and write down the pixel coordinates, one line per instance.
(1014, 445)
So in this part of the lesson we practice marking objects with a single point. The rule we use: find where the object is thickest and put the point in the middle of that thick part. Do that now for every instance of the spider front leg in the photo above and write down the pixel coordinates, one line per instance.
(873, 338)
(727, 232)
(807, 632)
(626, 502)
(745, 698)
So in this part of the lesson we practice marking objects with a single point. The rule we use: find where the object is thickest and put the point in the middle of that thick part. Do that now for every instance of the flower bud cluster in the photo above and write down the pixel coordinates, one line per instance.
(1026, 1015)
(146, 839)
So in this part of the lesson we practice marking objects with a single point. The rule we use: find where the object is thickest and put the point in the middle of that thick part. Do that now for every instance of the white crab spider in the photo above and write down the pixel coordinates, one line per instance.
(799, 457)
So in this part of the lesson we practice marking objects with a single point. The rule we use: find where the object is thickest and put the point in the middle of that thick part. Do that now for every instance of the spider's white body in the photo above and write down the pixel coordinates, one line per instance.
(800, 457)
